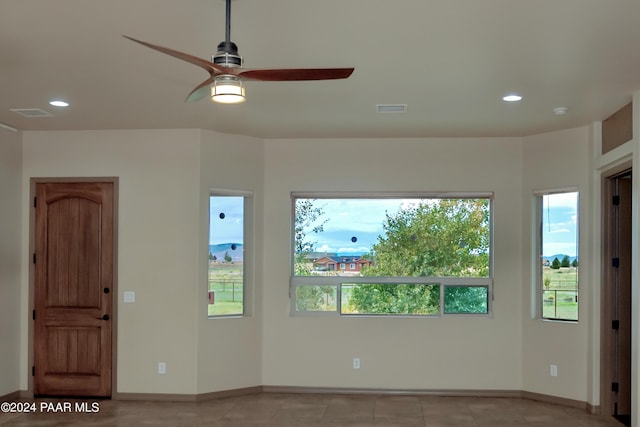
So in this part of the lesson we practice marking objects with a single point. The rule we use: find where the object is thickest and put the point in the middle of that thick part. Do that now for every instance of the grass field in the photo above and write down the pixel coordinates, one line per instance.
(226, 281)
(561, 293)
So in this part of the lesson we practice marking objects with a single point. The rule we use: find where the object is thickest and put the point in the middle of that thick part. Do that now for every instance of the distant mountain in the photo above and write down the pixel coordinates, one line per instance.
(559, 256)
(234, 250)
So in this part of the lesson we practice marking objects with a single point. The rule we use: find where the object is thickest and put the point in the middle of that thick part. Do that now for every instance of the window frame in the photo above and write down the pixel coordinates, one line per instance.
(538, 280)
(337, 281)
(247, 230)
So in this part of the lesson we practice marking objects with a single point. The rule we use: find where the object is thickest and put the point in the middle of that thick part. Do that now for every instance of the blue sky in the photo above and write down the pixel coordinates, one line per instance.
(230, 228)
(349, 219)
(560, 224)
(361, 220)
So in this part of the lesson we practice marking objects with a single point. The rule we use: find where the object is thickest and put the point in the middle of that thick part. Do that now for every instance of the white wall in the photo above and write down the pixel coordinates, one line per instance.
(396, 353)
(157, 235)
(553, 161)
(164, 181)
(165, 177)
(10, 256)
(229, 349)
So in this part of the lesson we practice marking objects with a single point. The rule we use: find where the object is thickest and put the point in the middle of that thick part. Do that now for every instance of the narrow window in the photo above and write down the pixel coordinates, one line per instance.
(558, 255)
(226, 255)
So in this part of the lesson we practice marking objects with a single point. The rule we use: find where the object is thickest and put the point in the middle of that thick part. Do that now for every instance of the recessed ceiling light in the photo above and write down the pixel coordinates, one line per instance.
(59, 103)
(512, 97)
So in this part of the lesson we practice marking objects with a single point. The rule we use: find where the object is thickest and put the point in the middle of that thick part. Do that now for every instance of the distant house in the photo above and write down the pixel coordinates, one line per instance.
(341, 264)
(312, 257)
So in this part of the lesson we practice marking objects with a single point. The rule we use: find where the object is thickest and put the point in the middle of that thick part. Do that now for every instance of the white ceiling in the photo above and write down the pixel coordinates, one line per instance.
(450, 61)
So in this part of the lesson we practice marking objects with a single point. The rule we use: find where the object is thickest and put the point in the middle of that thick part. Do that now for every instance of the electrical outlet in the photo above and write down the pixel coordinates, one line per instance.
(553, 370)
(162, 368)
(356, 363)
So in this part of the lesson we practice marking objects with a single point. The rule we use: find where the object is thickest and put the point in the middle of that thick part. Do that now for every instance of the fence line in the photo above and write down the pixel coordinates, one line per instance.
(554, 300)
(224, 283)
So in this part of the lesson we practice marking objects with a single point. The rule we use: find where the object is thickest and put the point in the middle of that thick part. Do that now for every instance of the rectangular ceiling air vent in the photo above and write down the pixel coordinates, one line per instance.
(31, 112)
(391, 108)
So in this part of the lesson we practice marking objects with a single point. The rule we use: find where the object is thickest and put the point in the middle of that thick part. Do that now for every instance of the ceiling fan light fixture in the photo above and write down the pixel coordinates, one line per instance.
(228, 89)
(227, 55)
(226, 73)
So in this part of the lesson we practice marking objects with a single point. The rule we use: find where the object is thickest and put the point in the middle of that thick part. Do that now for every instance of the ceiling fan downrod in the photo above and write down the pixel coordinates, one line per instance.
(227, 54)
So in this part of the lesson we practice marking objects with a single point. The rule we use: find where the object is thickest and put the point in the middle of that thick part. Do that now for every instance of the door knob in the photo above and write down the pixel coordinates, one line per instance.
(105, 317)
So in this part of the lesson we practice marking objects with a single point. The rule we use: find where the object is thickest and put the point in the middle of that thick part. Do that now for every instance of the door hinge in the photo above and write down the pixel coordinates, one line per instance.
(614, 387)
(615, 262)
(615, 325)
(33, 315)
(33, 371)
(615, 200)
(34, 257)
(35, 202)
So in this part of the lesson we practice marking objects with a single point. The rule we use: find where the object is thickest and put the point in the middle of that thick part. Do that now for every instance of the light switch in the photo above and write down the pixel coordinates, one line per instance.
(129, 296)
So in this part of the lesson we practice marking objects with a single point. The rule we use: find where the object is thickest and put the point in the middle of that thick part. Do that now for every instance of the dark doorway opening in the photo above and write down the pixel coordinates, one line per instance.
(616, 297)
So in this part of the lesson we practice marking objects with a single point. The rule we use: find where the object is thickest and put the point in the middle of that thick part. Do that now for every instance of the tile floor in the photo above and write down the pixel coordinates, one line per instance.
(273, 409)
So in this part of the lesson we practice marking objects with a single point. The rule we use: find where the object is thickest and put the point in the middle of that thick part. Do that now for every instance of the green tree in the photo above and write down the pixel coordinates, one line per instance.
(308, 220)
(574, 263)
(308, 298)
(211, 257)
(395, 299)
(555, 264)
(315, 298)
(227, 257)
(458, 299)
(448, 237)
(566, 262)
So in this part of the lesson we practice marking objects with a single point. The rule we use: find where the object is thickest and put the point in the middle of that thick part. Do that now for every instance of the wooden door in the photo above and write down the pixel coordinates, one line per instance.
(616, 310)
(74, 238)
(622, 303)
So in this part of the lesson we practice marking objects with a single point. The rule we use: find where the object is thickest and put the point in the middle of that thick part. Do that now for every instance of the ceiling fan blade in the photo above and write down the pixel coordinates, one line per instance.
(208, 66)
(201, 91)
(293, 74)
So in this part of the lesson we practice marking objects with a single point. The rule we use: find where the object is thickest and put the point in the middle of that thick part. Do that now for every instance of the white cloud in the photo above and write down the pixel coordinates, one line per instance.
(565, 200)
(361, 215)
(356, 249)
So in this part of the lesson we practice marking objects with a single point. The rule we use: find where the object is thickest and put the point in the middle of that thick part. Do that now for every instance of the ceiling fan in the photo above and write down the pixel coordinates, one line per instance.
(226, 75)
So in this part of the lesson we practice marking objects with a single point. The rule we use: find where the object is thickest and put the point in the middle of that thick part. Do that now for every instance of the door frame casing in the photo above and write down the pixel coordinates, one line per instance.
(32, 245)
(606, 333)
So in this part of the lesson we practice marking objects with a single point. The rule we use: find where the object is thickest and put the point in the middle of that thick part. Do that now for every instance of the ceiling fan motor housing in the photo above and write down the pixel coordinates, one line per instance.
(227, 55)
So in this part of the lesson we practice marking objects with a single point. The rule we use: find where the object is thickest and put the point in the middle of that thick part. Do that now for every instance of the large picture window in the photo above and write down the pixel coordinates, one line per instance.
(392, 254)
(226, 275)
(558, 255)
